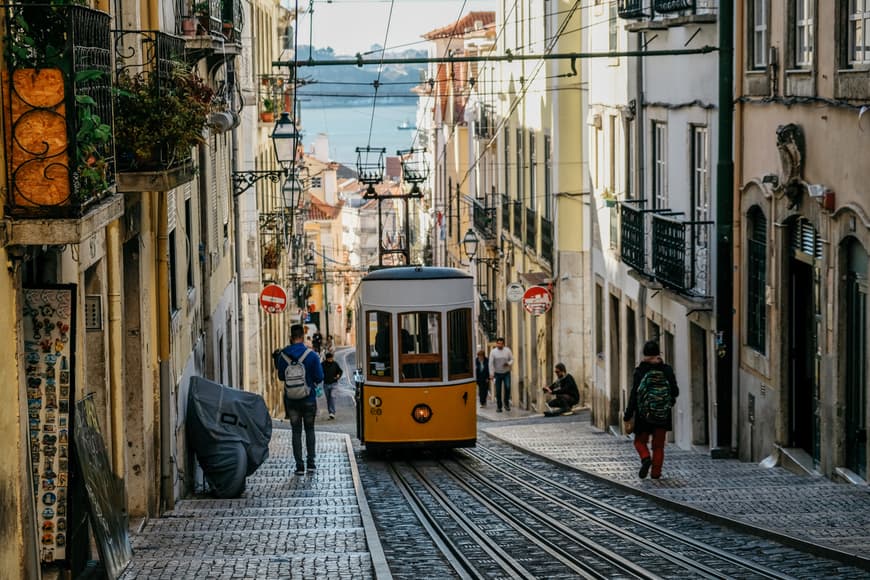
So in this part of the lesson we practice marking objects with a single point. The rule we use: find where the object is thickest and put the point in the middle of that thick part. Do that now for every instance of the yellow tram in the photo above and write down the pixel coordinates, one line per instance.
(415, 382)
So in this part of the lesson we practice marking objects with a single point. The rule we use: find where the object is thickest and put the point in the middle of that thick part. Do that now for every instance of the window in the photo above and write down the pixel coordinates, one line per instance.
(459, 344)
(599, 321)
(660, 165)
(611, 176)
(533, 169)
(756, 310)
(859, 32)
(520, 166)
(188, 231)
(612, 28)
(173, 273)
(507, 157)
(759, 39)
(420, 348)
(700, 173)
(380, 345)
(804, 42)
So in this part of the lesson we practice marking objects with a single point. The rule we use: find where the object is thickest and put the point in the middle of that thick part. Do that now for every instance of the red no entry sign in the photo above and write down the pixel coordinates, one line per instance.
(273, 299)
(537, 300)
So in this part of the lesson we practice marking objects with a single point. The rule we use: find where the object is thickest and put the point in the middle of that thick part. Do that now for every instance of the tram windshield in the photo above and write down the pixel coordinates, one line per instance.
(459, 356)
(420, 356)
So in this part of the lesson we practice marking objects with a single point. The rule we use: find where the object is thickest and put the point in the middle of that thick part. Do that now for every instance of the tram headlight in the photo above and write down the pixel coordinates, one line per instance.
(422, 413)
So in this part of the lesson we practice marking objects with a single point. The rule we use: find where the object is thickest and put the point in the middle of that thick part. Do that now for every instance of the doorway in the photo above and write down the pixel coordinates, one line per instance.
(856, 358)
(699, 371)
(803, 425)
(615, 416)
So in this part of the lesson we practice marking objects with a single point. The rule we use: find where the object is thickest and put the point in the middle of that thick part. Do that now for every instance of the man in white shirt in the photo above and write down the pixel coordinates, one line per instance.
(500, 360)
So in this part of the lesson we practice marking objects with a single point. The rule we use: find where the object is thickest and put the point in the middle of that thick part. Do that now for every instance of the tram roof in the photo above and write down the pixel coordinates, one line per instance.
(416, 273)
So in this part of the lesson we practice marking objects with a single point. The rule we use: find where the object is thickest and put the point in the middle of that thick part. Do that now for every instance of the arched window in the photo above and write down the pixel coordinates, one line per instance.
(756, 280)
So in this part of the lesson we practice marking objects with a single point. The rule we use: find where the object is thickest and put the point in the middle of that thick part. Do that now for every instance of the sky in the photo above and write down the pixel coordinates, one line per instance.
(351, 26)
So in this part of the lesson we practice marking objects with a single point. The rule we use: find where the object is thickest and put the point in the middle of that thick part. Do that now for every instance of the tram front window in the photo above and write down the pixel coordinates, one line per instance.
(459, 365)
(380, 349)
(420, 356)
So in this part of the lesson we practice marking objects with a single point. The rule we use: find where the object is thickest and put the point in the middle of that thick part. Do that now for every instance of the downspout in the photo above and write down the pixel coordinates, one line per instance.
(116, 340)
(234, 164)
(740, 58)
(164, 349)
(724, 236)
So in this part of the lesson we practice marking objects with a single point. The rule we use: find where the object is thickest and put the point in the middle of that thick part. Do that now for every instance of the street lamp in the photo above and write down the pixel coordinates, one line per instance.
(470, 243)
(285, 139)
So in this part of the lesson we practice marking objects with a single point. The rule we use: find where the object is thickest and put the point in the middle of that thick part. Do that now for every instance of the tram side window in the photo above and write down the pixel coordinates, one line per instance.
(420, 356)
(459, 355)
(380, 349)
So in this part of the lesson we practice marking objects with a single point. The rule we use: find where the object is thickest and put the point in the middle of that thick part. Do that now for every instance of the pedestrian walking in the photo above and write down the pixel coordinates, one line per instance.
(565, 390)
(300, 411)
(653, 392)
(331, 374)
(500, 360)
(481, 375)
(317, 342)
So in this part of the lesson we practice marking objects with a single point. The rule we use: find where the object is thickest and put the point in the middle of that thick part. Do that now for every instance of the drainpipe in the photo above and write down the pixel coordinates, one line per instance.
(737, 282)
(164, 353)
(237, 251)
(116, 340)
(724, 233)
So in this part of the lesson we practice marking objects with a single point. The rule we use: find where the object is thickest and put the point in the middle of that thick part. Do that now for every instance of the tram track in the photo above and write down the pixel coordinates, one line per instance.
(658, 547)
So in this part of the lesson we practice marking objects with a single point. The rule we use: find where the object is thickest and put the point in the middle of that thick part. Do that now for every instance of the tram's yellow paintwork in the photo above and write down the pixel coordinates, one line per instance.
(414, 348)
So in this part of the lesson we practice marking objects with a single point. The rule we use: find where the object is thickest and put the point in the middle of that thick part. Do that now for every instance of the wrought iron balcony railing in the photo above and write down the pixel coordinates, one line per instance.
(484, 220)
(218, 18)
(666, 6)
(531, 229)
(632, 9)
(547, 239)
(488, 317)
(633, 238)
(60, 152)
(681, 254)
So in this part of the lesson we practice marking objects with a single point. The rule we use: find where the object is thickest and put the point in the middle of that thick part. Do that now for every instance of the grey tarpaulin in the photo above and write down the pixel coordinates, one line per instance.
(229, 430)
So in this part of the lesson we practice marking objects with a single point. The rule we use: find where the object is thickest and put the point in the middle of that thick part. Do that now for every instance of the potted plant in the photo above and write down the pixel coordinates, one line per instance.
(158, 119)
(267, 112)
(202, 15)
(608, 197)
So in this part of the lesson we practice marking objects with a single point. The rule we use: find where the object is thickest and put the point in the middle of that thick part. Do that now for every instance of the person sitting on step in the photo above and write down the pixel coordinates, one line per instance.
(566, 393)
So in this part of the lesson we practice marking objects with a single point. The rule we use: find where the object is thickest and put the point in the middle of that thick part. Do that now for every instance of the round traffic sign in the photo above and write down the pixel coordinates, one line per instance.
(537, 300)
(273, 299)
(515, 292)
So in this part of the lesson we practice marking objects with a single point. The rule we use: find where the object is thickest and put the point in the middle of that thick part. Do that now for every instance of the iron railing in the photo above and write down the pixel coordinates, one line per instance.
(488, 317)
(630, 9)
(206, 17)
(681, 254)
(60, 152)
(155, 56)
(531, 229)
(547, 239)
(233, 20)
(665, 6)
(517, 219)
(633, 243)
(484, 220)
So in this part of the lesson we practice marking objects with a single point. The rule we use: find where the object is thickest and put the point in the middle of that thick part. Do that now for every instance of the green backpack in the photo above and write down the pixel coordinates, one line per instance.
(654, 397)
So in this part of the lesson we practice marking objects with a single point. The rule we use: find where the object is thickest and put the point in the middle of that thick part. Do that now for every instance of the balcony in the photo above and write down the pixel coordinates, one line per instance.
(681, 254)
(669, 6)
(679, 249)
(58, 118)
(210, 26)
(531, 229)
(150, 72)
(633, 9)
(484, 220)
(488, 317)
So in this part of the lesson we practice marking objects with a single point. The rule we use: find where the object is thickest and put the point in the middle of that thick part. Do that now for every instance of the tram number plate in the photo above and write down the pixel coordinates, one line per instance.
(374, 411)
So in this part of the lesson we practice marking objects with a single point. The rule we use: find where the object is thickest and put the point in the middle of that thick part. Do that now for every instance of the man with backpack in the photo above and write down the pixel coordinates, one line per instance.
(653, 392)
(300, 370)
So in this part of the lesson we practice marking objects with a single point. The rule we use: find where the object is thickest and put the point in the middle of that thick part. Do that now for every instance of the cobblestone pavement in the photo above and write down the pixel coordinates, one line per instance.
(805, 509)
(284, 526)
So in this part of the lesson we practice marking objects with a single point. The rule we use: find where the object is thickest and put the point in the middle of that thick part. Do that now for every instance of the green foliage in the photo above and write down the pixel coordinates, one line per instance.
(158, 120)
(270, 106)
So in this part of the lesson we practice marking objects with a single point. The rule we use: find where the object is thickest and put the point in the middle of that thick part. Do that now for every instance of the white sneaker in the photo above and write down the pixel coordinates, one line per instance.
(332, 415)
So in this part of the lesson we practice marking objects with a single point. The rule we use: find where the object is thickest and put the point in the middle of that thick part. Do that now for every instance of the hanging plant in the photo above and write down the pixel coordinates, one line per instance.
(158, 119)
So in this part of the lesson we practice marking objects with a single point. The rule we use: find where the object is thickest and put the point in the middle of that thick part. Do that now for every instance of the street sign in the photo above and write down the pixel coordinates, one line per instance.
(537, 300)
(273, 299)
(515, 292)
